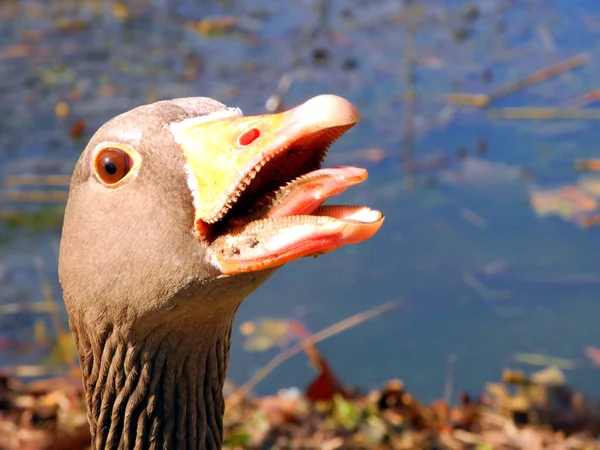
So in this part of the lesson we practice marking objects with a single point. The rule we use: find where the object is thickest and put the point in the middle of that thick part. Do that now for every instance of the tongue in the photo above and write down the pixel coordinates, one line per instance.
(306, 194)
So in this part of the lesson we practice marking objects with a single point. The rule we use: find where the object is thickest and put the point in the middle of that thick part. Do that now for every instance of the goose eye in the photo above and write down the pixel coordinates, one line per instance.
(112, 164)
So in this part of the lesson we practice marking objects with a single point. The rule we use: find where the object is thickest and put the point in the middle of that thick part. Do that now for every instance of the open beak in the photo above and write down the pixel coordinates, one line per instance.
(259, 188)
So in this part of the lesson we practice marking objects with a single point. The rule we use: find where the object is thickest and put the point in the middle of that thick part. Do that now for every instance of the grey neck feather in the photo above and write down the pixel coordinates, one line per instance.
(163, 391)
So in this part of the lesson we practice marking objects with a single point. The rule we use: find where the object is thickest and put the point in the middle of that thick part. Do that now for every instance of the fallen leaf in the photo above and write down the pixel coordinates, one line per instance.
(62, 109)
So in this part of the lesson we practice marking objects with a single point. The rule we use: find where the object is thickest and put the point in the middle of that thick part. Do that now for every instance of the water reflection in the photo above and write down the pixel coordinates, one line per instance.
(461, 216)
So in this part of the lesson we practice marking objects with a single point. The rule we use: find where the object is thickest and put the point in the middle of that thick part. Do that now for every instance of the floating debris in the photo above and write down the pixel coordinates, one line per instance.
(588, 165)
(62, 109)
(482, 146)
(214, 26)
(77, 129)
(432, 162)
(367, 156)
(464, 99)
(16, 51)
(44, 219)
(593, 353)
(568, 202)
(537, 359)
(67, 24)
(578, 203)
(121, 12)
(482, 172)
(266, 334)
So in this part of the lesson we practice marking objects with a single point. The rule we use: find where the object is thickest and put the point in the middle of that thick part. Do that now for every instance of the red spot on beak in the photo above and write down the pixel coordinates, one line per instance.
(247, 137)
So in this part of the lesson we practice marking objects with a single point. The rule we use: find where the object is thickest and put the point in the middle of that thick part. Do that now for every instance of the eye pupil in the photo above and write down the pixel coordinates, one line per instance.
(110, 167)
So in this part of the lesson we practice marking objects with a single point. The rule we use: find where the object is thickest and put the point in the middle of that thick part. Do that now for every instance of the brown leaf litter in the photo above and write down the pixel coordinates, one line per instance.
(522, 412)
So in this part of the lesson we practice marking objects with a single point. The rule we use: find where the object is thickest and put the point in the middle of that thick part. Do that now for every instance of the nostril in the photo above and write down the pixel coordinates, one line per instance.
(247, 137)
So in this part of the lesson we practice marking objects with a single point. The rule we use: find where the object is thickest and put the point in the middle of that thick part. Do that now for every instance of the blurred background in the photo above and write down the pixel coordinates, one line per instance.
(479, 132)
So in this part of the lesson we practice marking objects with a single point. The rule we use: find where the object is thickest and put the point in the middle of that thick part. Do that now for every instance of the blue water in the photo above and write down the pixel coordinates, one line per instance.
(425, 247)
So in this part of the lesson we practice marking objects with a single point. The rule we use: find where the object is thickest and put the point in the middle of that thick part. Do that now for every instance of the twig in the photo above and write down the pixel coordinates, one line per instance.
(34, 371)
(463, 99)
(483, 100)
(16, 51)
(584, 99)
(323, 25)
(449, 381)
(545, 113)
(53, 309)
(540, 75)
(37, 180)
(546, 38)
(235, 398)
(473, 218)
(569, 279)
(35, 196)
(47, 294)
(410, 95)
(484, 291)
(18, 308)
(274, 103)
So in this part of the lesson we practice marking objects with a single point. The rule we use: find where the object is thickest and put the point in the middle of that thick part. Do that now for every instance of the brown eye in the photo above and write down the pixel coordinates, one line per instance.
(112, 164)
